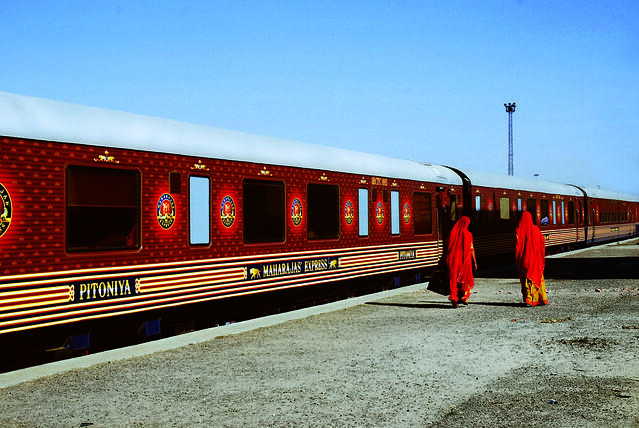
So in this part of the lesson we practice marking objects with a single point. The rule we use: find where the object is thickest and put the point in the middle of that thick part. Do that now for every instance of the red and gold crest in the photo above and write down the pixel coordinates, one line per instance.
(166, 211)
(379, 213)
(296, 212)
(406, 213)
(227, 211)
(349, 212)
(6, 209)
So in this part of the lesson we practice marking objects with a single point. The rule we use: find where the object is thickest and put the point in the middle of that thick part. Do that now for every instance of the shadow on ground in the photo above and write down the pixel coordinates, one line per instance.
(575, 268)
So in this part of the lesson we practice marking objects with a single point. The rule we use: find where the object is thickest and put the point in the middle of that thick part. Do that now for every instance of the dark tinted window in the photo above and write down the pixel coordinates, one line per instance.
(422, 206)
(103, 209)
(571, 212)
(263, 211)
(322, 201)
(543, 208)
(531, 207)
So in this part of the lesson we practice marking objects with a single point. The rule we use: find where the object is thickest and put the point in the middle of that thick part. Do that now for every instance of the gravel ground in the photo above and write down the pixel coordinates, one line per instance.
(406, 360)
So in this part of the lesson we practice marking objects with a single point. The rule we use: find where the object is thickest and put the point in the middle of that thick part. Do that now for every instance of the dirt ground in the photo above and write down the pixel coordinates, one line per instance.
(406, 360)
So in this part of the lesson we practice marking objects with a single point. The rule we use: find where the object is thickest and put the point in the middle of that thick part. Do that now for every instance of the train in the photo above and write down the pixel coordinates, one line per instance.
(115, 224)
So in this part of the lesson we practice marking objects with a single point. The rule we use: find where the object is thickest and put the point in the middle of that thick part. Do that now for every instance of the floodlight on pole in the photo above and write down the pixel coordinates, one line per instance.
(510, 109)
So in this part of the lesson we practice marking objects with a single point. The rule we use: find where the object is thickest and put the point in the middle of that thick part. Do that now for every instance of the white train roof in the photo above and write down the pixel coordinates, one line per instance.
(487, 179)
(594, 192)
(40, 119)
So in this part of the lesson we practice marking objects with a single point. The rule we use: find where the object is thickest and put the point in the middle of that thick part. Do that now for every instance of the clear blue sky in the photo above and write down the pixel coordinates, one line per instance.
(422, 80)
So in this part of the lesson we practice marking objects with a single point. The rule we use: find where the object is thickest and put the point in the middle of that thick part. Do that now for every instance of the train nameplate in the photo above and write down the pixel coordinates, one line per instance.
(291, 267)
(93, 289)
(407, 254)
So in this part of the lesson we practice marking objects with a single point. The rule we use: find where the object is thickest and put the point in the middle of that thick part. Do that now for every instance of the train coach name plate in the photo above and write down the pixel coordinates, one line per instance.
(292, 267)
(103, 289)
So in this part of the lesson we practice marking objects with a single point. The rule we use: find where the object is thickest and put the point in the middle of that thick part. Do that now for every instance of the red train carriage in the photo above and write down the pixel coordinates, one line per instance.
(567, 215)
(494, 204)
(610, 215)
(113, 216)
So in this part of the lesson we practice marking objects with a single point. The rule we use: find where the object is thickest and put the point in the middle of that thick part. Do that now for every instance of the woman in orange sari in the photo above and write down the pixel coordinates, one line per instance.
(461, 261)
(530, 259)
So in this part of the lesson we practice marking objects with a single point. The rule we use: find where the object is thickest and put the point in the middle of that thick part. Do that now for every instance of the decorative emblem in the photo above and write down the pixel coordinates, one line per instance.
(296, 212)
(199, 166)
(265, 171)
(406, 213)
(349, 212)
(106, 158)
(166, 211)
(6, 210)
(227, 211)
(379, 213)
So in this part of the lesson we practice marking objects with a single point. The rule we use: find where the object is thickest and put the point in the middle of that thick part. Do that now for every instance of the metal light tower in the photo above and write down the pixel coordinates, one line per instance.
(510, 109)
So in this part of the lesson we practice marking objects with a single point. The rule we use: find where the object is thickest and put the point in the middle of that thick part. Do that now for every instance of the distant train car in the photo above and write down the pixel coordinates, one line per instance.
(609, 215)
(568, 216)
(495, 202)
(113, 219)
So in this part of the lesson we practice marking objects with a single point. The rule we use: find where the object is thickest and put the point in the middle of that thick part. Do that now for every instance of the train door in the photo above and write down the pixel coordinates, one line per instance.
(444, 223)
(447, 213)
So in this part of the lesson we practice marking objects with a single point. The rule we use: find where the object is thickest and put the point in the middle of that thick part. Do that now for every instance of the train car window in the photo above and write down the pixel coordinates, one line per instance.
(531, 207)
(423, 209)
(362, 209)
(554, 212)
(103, 209)
(374, 195)
(518, 204)
(543, 208)
(491, 205)
(199, 210)
(175, 183)
(504, 208)
(453, 207)
(385, 195)
(263, 211)
(394, 195)
(477, 208)
(322, 201)
(563, 213)
(571, 212)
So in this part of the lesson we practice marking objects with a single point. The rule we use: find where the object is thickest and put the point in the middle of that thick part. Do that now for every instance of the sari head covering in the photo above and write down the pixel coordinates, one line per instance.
(459, 259)
(530, 250)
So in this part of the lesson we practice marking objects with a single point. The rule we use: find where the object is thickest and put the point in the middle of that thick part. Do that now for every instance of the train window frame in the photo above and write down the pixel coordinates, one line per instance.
(362, 210)
(199, 210)
(263, 211)
(395, 213)
(102, 209)
(422, 213)
(544, 211)
(571, 212)
(323, 211)
(554, 212)
(531, 207)
(478, 203)
(175, 183)
(504, 208)
(563, 213)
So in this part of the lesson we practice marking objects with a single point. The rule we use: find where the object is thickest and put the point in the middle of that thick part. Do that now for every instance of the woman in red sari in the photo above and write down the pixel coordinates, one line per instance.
(461, 261)
(530, 259)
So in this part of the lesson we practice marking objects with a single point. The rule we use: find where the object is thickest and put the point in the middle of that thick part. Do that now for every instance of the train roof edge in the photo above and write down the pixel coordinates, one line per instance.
(42, 119)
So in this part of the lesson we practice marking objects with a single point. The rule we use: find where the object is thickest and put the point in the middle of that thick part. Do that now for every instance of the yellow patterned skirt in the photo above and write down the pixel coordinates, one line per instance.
(534, 294)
